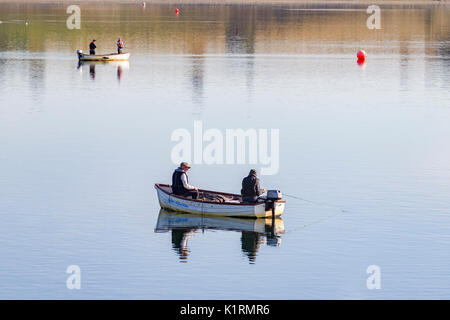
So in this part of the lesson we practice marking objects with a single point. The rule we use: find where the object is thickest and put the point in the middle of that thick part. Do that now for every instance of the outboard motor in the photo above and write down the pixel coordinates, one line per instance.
(79, 53)
(274, 195)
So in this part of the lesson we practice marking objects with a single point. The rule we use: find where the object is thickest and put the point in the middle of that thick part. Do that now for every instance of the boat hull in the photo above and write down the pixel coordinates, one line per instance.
(106, 57)
(169, 201)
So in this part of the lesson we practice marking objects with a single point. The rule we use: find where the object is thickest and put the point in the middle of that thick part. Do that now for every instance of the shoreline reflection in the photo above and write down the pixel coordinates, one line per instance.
(254, 232)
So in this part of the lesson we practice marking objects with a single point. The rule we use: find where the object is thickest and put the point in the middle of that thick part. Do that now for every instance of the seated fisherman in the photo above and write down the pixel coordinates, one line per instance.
(250, 188)
(180, 182)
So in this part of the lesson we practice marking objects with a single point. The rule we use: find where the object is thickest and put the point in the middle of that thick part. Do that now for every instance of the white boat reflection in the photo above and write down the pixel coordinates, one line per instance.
(120, 67)
(254, 232)
(125, 65)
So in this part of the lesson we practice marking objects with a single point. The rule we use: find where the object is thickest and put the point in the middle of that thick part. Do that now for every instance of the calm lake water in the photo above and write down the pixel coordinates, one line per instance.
(364, 151)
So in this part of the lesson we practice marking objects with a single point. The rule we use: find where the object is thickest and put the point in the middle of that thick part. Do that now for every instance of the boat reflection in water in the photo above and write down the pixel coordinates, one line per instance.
(120, 66)
(254, 232)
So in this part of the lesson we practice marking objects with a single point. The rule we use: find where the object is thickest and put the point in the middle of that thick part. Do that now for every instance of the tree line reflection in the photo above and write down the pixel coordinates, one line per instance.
(234, 30)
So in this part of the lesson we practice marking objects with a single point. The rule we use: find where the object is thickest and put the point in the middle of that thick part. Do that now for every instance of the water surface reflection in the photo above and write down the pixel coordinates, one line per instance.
(373, 139)
(254, 232)
(120, 67)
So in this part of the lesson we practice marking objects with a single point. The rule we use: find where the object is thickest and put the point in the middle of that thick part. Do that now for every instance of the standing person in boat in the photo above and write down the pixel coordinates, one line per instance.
(92, 47)
(119, 46)
(250, 188)
(180, 182)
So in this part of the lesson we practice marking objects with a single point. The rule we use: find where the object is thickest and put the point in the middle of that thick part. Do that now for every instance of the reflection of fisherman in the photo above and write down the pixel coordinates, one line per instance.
(180, 239)
(92, 47)
(119, 46)
(180, 182)
(254, 233)
(250, 244)
(119, 73)
(92, 70)
(250, 187)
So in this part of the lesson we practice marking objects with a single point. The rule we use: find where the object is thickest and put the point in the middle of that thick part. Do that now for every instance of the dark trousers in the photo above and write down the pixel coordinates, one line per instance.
(92, 52)
(247, 199)
(119, 50)
(188, 193)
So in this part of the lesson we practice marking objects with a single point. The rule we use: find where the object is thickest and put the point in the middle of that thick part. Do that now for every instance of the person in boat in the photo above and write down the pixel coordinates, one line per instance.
(92, 47)
(250, 188)
(119, 46)
(180, 182)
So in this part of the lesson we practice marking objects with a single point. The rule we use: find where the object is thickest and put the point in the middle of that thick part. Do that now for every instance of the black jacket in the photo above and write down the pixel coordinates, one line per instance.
(92, 46)
(250, 187)
(177, 184)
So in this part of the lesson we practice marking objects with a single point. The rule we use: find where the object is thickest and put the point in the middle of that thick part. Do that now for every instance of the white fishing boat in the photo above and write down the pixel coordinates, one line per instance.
(215, 203)
(103, 57)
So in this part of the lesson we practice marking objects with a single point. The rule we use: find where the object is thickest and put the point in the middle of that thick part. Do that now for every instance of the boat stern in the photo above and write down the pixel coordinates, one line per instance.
(79, 54)
(279, 209)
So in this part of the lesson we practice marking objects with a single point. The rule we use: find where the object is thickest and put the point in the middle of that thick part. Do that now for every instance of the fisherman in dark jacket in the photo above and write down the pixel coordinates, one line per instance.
(250, 188)
(180, 182)
(92, 47)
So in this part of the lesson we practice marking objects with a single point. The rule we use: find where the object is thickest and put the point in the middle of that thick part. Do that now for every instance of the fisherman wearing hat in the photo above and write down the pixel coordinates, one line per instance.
(250, 188)
(180, 182)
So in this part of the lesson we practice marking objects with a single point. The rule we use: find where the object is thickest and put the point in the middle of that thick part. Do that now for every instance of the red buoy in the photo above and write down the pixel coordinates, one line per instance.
(177, 11)
(361, 55)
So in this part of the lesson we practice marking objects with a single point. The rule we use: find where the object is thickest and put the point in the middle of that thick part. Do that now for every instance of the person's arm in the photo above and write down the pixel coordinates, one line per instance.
(185, 183)
(258, 190)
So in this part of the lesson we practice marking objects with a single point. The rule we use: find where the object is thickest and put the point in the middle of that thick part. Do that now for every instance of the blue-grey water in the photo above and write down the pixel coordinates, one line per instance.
(364, 149)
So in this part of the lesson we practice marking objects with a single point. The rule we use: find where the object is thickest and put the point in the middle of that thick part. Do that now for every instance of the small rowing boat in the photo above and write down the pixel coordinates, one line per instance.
(213, 203)
(105, 57)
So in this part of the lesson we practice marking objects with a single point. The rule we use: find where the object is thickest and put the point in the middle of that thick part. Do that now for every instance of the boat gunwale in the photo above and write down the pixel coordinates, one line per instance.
(160, 185)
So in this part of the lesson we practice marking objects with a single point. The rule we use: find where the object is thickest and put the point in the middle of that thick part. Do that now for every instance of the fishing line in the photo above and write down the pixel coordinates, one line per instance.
(315, 222)
(315, 202)
(341, 210)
